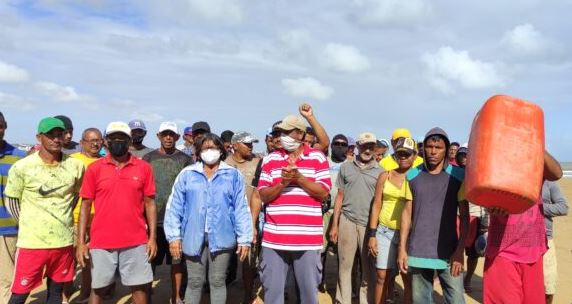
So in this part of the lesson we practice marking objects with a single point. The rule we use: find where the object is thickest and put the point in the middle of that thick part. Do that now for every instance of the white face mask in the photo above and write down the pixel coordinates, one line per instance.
(288, 143)
(210, 156)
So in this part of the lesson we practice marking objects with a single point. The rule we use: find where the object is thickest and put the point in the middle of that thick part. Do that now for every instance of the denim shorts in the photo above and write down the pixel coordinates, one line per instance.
(387, 246)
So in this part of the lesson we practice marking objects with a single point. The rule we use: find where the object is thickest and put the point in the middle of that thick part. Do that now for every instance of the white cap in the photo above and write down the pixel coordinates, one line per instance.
(168, 126)
(118, 126)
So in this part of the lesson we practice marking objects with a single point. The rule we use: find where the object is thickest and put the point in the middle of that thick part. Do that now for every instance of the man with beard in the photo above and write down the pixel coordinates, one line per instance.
(246, 162)
(138, 132)
(124, 228)
(41, 192)
(356, 187)
(167, 162)
(69, 146)
(429, 243)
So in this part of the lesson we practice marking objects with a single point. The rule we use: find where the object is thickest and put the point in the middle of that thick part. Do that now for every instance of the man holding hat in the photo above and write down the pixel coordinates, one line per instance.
(295, 179)
(246, 162)
(167, 162)
(390, 162)
(123, 229)
(356, 187)
(41, 191)
(138, 133)
(187, 146)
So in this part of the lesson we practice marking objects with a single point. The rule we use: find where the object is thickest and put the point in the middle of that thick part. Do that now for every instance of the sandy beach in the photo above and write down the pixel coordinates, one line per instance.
(563, 230)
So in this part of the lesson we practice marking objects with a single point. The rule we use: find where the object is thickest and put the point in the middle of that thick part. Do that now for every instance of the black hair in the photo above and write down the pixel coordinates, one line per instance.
(226, 135)
(216, 140)
(438, 137)
(310, 131)
(455, 144)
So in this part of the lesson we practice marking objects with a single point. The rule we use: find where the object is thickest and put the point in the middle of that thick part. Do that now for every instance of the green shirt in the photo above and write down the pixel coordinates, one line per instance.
(47, 194)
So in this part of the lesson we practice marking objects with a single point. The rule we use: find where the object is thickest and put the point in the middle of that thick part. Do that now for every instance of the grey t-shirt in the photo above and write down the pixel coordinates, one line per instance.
(140, 153)
(358, 185)
(554, 204)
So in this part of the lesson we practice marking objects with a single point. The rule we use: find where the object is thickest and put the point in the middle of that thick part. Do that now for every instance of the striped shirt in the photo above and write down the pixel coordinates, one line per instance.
(8, 156)
(294, 219)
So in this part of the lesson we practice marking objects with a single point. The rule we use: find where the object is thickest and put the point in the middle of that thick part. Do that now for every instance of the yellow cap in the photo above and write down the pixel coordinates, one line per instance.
(401, 132)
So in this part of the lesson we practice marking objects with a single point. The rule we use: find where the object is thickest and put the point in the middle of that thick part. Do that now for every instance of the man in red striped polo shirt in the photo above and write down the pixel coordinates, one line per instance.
(294, 181)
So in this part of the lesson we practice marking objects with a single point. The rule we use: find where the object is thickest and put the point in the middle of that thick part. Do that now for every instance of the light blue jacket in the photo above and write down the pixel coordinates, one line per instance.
(220, 202)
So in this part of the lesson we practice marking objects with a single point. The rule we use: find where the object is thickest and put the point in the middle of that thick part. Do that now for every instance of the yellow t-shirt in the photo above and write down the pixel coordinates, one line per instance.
(86, 162)
(46, 193)
(393, 202)
(388, 163)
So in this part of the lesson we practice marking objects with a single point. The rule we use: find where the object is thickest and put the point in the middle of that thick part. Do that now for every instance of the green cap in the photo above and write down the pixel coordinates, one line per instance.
(49, 123)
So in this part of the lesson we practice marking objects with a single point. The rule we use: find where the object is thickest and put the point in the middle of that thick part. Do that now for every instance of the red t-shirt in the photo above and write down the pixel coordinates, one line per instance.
(118, 193)
(294, 218)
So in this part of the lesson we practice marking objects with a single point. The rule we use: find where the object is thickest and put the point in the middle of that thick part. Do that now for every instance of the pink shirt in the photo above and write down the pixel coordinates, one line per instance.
(518, 237)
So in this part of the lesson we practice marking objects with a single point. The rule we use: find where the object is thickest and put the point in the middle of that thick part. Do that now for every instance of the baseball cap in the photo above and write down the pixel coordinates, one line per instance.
(339, 137)
(292, 122)
(118, 126)
(384, 142)
(400, 132)
(49, 123)
(351, 141)
(201, 126)
(243, 137)
(168, 126)
(188, 131)
(137, 124)
(66, 120)
(405, 144)
(463, 150)
(366, 137)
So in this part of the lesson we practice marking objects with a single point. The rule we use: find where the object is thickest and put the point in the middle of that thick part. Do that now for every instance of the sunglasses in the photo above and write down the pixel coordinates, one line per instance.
(404, 154)
(339, 144)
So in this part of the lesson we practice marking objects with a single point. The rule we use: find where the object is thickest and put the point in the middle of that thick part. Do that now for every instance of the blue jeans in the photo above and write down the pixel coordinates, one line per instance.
(197, 270)
(422, 285)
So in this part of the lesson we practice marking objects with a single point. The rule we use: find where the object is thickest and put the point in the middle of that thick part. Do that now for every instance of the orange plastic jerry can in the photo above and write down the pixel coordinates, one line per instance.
(505, 162)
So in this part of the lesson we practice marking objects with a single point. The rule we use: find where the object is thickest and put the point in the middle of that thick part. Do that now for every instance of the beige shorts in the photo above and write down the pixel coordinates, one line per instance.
(550, 269)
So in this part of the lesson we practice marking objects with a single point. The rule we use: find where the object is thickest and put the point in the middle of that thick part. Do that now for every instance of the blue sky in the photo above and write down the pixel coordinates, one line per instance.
(365, 65)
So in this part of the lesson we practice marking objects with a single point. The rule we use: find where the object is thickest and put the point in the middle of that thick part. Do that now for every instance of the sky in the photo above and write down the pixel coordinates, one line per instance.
(364, 65)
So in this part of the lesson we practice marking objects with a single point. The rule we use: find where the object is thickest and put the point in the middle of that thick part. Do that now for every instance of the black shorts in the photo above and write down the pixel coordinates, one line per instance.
(163, 252)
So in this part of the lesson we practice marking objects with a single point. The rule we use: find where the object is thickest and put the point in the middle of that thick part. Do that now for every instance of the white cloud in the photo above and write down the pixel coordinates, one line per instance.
(186, 11)
(344, 58)
(307, 87)
(448, 65)
(15, 102)
(147, 116)
(391, 12)
(65, 94)
(12, 73)
(525, 39)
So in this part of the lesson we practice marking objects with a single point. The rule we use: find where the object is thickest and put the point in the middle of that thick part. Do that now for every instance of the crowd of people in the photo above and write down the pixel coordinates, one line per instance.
(211, 208)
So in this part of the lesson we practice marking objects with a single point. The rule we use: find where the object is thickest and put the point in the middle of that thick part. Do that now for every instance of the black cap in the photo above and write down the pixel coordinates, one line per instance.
(226, 135)
(275, 125)
(201, 126)
(66, 120)
(338, 137)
